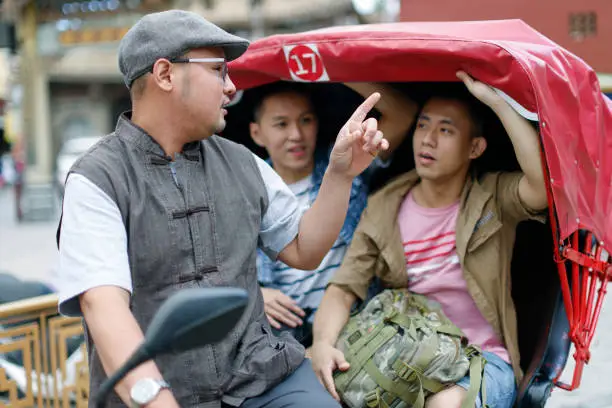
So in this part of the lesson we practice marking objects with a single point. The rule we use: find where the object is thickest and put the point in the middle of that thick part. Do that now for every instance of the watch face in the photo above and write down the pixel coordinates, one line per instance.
(144, 391)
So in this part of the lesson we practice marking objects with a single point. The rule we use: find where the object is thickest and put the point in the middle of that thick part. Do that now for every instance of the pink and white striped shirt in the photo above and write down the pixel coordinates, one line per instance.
(434, 270)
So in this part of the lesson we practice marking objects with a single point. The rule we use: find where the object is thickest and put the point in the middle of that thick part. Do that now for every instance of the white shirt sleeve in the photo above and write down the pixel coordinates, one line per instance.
(93, 244)
(281, 222)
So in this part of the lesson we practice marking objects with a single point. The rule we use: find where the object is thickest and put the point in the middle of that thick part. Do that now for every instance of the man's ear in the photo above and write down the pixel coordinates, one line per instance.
(163, 74)
(256, 134)
(479, 145)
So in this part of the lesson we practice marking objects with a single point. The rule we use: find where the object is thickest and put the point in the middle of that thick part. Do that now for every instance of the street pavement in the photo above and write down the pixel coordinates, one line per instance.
(28, 251)
(596, 387)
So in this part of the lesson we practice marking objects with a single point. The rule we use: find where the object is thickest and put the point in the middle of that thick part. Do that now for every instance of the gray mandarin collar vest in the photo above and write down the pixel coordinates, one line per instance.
(194, 221)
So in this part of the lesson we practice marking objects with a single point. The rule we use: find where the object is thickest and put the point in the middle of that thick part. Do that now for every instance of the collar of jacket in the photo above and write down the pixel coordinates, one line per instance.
(382, 227)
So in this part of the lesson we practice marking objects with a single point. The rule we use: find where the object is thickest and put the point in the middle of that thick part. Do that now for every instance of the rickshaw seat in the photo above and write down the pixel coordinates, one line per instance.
(543, 336)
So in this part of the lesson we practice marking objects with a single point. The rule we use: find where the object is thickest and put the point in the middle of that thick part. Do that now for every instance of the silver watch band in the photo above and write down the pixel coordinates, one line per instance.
(162, 385)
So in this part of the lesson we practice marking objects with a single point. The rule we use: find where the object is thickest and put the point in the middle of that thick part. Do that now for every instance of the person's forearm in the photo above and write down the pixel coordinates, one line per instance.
(397, 110)
(393, 102)
(321, 224)
(117, 338)
(332, 315)
(525, 141)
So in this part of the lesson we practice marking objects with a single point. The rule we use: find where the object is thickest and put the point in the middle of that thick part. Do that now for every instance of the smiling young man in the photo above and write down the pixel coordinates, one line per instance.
(441, 232)
(286, 125)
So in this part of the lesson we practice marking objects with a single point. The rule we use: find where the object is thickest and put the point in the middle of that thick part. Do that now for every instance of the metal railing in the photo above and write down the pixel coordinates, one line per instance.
(43, 360)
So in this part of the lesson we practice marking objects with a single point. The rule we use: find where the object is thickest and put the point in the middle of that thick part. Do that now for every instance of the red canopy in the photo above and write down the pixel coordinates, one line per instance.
(575, 117)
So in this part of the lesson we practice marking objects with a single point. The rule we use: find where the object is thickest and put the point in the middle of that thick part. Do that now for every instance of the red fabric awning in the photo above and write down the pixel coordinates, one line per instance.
(575, 117)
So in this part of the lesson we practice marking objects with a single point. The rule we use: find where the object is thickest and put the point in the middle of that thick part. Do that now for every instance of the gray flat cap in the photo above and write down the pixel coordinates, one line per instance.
(170, 34)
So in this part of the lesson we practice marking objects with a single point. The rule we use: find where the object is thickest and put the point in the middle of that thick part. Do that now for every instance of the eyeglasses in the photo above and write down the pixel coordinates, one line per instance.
(188, 60)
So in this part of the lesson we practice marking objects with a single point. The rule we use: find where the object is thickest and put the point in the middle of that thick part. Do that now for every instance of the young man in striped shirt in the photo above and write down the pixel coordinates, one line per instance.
(286, 125)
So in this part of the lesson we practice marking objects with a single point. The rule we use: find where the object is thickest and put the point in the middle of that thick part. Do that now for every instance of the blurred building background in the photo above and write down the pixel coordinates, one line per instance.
(59, 81)
(65, 81)
(58, 68)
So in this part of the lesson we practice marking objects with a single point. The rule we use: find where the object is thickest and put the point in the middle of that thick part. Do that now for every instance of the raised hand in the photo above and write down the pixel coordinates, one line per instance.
(358, 142)
(480, 90)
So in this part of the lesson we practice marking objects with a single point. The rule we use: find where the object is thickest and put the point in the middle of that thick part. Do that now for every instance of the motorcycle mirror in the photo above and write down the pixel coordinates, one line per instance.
(188, 319)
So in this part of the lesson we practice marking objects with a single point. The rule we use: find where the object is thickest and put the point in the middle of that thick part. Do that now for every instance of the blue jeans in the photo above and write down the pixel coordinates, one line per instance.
(500, 383)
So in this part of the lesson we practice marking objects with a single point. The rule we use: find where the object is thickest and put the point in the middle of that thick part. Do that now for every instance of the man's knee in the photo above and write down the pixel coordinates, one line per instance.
(449, 398)
(312, 392)
(316, 398)
(305, 398)
(302, 389)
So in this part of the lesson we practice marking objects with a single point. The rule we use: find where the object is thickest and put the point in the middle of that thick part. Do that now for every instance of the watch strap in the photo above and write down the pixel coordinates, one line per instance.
(162, 384)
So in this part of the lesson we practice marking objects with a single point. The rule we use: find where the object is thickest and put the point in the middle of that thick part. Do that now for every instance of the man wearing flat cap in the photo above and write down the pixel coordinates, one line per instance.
(163, 204)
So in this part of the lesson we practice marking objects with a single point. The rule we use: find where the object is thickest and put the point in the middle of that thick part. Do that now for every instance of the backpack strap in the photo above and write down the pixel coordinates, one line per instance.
(409, 374)
(375, 399)
(416, 322)
(477, 379)
(415, 399)
(361, 351)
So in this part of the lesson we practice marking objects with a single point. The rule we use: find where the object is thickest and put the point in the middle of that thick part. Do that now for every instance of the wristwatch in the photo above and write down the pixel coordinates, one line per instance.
(145, 391)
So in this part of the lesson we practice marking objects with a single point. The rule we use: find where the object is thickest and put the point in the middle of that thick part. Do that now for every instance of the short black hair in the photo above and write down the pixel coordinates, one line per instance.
(278, 88)
(477, 111)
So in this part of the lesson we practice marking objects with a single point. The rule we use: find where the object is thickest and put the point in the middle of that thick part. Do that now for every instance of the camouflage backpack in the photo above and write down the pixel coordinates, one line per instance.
(402, 348)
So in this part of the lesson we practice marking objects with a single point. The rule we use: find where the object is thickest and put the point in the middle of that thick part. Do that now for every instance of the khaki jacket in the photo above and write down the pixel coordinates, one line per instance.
(486, 228)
